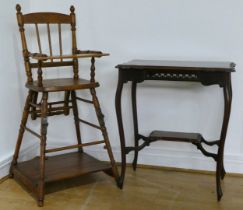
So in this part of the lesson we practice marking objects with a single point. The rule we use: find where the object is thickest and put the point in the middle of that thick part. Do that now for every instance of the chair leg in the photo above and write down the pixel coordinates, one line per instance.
(66, 102)
(21, 131)
(100, 117)
(76, 118)
(33, 109)
(44, 124)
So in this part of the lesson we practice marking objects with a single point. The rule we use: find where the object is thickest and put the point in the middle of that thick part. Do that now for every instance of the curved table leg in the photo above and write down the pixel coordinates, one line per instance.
(220, 172)
(121, 130)
(135, 123)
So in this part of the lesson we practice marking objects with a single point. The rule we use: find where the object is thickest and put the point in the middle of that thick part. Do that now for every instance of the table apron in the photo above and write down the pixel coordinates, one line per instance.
(205, 78)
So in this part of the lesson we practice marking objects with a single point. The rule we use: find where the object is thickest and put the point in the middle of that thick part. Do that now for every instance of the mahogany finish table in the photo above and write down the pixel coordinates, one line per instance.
(207, 73)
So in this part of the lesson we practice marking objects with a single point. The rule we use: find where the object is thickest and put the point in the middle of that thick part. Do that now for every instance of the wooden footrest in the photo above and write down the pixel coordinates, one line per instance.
(57, 168)
(175, 136)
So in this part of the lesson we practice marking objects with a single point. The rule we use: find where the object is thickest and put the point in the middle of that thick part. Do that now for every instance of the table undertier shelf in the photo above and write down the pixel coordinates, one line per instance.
(194, 138)
(58, 168)
(175, 136)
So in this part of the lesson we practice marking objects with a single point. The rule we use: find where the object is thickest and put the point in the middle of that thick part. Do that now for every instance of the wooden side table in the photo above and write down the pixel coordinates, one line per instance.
(207, 73)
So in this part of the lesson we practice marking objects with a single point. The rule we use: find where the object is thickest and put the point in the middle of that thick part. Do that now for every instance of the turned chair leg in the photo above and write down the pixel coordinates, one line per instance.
(100, 117)
(44, 124)
(66, 102)
(21, 131)
(33, 109)
(76, 118)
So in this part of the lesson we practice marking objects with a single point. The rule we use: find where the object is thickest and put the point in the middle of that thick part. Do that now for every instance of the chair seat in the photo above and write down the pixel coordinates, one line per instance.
(53, 85)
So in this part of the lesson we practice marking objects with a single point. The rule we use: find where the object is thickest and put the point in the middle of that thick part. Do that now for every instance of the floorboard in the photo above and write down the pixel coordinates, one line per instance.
(144, 189)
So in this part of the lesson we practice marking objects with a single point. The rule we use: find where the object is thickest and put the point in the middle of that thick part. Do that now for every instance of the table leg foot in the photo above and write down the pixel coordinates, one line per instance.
(223, 173)
(219, 194)
(40, 203)
(120, 183)
(218, 179)
(134, 165)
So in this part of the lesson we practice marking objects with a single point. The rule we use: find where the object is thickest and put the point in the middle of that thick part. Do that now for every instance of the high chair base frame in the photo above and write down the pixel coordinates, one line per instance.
(36, 173)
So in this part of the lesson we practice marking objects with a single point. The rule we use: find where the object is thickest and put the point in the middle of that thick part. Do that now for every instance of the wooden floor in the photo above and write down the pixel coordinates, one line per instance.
(146, 189)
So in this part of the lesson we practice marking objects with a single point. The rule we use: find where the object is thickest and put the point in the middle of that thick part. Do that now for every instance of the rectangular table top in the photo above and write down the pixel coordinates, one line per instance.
(209, 66)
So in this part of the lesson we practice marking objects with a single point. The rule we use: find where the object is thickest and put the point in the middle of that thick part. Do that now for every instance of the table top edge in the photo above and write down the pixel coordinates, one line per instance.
(225, 66)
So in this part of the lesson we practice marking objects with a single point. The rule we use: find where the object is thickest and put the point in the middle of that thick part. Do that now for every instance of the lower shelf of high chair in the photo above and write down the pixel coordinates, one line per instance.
(58, 168)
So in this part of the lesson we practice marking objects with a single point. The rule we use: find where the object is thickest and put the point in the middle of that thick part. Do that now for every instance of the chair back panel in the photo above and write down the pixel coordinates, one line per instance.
(46, 21)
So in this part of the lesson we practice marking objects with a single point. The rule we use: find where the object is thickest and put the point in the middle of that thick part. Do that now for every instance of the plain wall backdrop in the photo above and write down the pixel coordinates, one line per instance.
(141, 29)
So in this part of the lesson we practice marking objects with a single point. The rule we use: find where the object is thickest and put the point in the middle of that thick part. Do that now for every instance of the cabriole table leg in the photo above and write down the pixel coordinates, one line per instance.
(220, 171)
(121, 129)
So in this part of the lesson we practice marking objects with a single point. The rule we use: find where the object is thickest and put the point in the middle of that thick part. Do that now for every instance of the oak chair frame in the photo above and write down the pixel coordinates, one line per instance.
(45, 109)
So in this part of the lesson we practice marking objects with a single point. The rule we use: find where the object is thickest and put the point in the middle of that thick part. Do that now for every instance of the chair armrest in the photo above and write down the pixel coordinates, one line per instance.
(84, 54)
(90, 52)
(87, 51)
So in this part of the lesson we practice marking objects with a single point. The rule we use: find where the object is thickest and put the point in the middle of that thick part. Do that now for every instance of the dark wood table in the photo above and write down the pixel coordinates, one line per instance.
(207, 73)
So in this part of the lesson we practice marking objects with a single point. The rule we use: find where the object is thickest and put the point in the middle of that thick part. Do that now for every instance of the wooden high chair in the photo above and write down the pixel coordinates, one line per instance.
(35, 173)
